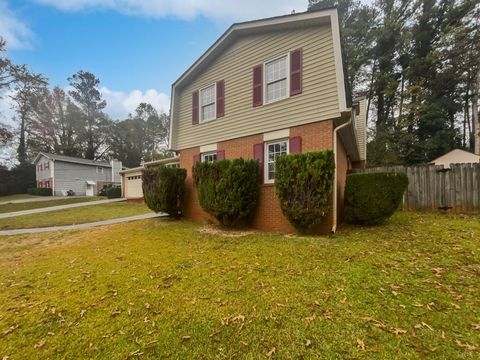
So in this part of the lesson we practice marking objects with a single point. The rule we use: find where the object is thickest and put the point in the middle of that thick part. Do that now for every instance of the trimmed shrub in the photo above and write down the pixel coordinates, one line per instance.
(17, 180)
(39, 191)
(373, 197)
(114, 192)
(228, 189)
(303, 183)
(163, 189)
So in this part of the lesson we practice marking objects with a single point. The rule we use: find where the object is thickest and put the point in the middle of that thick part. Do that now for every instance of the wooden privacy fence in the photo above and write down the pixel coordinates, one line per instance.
(433, 187)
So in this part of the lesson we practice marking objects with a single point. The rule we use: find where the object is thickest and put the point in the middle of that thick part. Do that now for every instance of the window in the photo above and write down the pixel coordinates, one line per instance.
(276, 79)
(137, 177)
(209, 157)
(40, 167)
(46, 166)
(273, 150)
(99, 170)
(176, 165)
(207, 103)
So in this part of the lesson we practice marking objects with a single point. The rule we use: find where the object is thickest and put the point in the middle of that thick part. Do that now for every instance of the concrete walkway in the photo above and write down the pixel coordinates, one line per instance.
(38, 199)
(80, 226)
(58, 207)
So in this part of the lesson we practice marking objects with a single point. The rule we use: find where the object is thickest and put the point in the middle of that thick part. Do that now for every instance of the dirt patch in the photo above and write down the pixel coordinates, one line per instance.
(215, 230)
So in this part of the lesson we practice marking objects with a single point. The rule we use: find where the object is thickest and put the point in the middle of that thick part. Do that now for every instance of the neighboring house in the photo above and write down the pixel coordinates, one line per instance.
(85, 177)
(266, 88)
(132, 178)
(456, 156)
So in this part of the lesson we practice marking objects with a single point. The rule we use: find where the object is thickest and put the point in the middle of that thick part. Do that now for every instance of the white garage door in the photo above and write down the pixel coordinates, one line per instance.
(133, 186)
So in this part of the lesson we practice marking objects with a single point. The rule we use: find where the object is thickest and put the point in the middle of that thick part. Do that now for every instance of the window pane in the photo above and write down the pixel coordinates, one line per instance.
(208, 112)
(277, 90)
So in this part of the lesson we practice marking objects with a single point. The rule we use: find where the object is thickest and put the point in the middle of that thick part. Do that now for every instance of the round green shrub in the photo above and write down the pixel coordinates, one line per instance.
(303, 183)
(227, 189)
(114, 192)
(163, 189)
(371, 198)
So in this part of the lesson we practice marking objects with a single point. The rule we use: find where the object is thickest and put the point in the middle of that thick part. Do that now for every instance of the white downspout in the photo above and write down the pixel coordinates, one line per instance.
(335, 189)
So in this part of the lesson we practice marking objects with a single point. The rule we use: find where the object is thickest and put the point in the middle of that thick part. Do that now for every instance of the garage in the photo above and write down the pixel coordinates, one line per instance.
(132, 178)
(132, 181)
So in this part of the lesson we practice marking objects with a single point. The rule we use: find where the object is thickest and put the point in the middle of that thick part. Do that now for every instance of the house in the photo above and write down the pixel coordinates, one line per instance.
(132, 178)
(265, 88)
(456, 156)
(85, 177)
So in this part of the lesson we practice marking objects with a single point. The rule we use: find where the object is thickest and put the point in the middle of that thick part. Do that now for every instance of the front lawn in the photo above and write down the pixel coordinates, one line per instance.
(47, 203)
(18, 197)
(158, 289)
(72, 216)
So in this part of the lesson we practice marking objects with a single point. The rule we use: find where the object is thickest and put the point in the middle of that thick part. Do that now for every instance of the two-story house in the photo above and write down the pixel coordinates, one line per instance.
(84, 177)
(265, 88)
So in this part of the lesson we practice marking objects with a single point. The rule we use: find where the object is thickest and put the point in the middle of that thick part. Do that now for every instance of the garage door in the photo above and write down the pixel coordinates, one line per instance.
(134, 187)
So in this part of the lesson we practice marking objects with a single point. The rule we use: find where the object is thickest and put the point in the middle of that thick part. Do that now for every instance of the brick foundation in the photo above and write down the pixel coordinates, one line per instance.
(268, 215)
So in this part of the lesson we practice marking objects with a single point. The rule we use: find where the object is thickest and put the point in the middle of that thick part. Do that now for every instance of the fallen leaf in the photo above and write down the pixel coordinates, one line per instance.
(360, 344)
(116, 312)
(456, 306)
(271, 352)
(186, 337)
(466, 346)
(308, 343)
(39, 344)
(148, 306)
(398, 331)
(476, 326)
(82, 312)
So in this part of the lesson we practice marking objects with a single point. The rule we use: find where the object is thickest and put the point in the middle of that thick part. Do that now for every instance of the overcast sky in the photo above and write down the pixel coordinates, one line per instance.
(136, 48)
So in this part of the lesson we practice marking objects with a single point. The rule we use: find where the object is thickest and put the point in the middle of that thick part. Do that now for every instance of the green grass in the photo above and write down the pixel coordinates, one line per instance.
(74, 216)
(43, 204)
(158, 289)
(17, 197)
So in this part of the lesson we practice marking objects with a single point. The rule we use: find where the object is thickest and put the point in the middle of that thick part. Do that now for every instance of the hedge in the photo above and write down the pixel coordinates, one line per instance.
(114, 192)
(228, 189)
(373, 197)
(303, 183)
(39, 191)
(163, 189)
(17, 180)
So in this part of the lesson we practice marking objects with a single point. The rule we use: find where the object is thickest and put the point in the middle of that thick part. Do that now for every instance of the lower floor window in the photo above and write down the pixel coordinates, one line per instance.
(273, 150)
(209, 156)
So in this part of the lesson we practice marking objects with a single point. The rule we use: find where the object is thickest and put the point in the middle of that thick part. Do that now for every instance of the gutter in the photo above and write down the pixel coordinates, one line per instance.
(335, 192)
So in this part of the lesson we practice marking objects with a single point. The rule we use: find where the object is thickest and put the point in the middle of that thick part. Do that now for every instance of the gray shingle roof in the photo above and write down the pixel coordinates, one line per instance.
(72, 159)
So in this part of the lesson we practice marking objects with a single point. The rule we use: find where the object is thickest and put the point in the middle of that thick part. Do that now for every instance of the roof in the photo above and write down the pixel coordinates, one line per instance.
(171, 160)
(462, 156)
(71, 159)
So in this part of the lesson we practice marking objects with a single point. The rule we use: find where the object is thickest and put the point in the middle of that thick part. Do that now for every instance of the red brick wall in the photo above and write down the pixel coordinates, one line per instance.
(268, 216)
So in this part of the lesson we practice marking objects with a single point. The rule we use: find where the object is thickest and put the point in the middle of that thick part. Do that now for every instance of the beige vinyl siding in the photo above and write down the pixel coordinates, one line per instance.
(318, 101)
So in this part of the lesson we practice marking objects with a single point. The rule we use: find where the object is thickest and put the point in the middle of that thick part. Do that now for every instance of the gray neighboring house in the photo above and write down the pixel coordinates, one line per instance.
(85, 177)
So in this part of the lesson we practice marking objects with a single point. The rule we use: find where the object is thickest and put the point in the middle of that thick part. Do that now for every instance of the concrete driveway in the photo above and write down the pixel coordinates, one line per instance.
(58, 207)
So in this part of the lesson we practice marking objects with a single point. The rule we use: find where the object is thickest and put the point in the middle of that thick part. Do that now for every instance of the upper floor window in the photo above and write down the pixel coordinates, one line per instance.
(273, 150)
(207, 103)
(46, 166)
(209, 156)
(276, 79)
(40, 168)
(99, 170)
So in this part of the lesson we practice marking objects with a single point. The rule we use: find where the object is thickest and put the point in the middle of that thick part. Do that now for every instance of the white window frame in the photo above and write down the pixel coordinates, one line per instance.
(200, 113)
(265, 157)
(209, 153)
(99, 170)
(265, 102)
